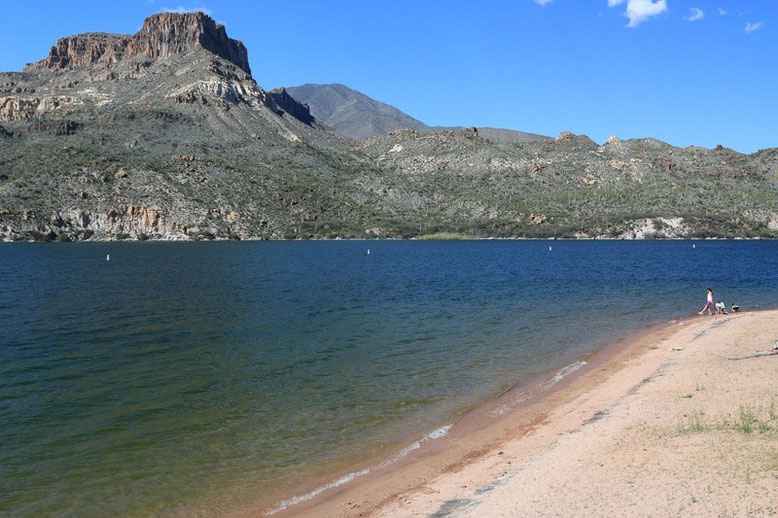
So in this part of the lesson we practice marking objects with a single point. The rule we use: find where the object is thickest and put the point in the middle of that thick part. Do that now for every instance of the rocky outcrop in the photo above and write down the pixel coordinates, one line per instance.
(123, 221)
(162, 35)
(229, 92)
(281, 99)
(83, 50)
(570, 139)
(15, 108)
(53, 127)
(166, 34)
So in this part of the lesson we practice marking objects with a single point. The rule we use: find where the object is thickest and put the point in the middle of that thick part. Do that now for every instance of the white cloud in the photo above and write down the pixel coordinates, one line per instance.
(753, 26)
(695, 13)
(542, 2)
(722, 12)
(182, 10)
(638, 11)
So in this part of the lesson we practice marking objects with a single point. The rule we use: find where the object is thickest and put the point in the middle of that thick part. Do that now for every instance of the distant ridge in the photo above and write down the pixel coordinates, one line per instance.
(354, 115)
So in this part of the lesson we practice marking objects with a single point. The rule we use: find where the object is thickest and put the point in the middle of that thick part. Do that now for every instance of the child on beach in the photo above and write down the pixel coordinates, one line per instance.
(708, 304)
(721, 308)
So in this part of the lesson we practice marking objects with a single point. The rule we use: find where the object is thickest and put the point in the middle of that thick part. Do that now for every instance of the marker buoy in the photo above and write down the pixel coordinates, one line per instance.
(108, 257)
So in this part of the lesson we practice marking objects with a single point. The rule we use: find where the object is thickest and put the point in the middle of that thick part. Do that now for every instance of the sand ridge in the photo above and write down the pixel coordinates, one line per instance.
(672, 425)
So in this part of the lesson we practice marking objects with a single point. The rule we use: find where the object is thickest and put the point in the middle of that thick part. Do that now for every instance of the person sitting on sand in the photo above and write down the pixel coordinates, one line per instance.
(709, 303)
(735, 308)
(721, 308)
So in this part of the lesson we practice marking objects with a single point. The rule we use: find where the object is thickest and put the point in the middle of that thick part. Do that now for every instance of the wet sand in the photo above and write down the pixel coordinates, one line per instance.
(674, 421)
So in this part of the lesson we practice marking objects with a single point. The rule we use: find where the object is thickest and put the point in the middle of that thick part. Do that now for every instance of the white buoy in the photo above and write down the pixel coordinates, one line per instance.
(694, 246)
(368, 251)
(108, 257)
(549, 248)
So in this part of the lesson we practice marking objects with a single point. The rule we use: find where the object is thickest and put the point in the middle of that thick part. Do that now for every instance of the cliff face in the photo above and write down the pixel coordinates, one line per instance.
(287, 103)
(166, 34)
(180, 58)
(162, 35)
(83, 50)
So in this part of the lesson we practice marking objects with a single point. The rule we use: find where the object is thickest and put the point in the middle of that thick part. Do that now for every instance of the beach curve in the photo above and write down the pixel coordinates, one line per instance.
(673, 422)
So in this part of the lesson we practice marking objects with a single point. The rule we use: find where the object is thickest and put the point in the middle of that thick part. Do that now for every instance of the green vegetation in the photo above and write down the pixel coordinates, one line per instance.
(760, 418)
(443, 236)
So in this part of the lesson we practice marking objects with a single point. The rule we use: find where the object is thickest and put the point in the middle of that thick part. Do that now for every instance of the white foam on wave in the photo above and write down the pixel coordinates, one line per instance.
(437, 434)
(563, 373)
(345, 479)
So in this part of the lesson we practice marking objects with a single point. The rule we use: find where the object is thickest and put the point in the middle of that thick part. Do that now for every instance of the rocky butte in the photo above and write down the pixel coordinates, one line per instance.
(164, 134)
(162, 35)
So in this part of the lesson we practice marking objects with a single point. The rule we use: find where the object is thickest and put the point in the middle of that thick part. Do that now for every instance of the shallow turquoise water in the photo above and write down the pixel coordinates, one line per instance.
(181, 377)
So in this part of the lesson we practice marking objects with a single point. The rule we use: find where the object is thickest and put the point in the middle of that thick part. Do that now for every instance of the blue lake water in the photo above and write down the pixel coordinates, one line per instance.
(202, 376)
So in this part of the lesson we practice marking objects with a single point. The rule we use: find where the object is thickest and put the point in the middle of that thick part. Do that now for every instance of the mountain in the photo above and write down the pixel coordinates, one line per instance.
(354, 115)
(160, 134)
(351, 113)
(164, 134)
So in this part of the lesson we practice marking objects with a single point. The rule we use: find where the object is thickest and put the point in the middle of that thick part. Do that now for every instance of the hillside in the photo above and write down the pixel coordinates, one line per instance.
(573, 187)
(164, 134)
(108, 137)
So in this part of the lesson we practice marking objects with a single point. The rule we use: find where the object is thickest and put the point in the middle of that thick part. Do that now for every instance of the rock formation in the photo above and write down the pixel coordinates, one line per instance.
(162, 35)
(166, 34)
(287, 103)
(83, 50)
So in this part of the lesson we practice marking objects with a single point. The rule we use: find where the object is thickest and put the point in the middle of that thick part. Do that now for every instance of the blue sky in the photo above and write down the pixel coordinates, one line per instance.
(694, 72)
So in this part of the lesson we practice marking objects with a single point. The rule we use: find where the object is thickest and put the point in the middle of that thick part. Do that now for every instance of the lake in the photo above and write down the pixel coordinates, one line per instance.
(202, 376)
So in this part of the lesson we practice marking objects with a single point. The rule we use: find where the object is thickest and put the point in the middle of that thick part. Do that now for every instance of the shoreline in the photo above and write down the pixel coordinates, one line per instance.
(519, 418)
(392, 239)
(489, 413)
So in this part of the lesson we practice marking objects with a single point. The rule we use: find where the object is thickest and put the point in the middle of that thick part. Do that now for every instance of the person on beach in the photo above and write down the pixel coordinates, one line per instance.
(708, 304)
(721, 308)
(735, 308)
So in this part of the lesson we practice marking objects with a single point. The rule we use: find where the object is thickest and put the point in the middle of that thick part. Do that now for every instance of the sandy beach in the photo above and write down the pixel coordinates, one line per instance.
(681, 420)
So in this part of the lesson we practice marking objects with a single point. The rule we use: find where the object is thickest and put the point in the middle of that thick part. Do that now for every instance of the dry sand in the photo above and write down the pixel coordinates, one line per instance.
(668, 425)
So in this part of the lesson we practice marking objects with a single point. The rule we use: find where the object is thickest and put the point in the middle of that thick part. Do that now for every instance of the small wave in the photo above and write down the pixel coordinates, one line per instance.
(345, 479)
(437, 434)
(563, 373)
(297, 499)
